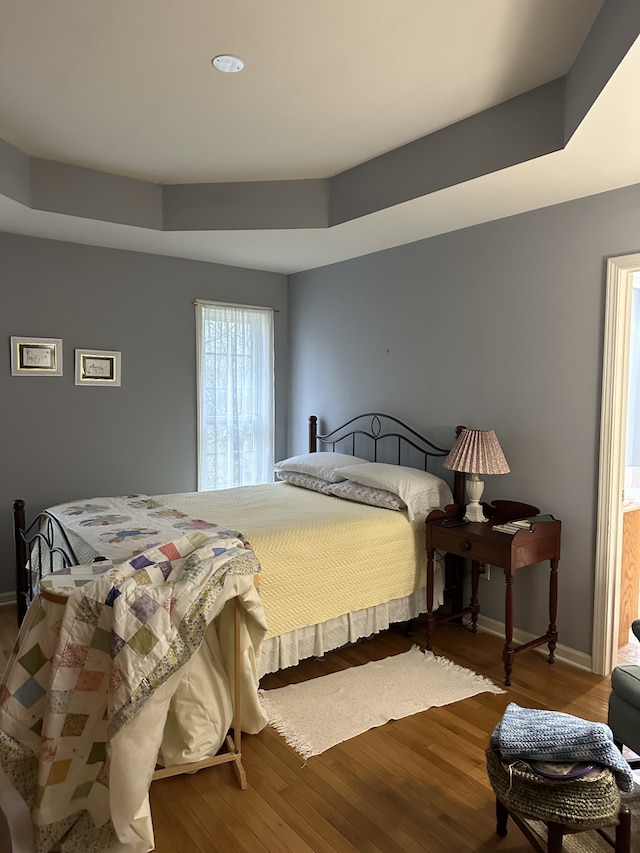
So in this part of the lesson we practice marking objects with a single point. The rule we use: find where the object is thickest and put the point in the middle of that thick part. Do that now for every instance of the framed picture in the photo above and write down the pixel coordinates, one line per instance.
(97, 367)
(36, 356)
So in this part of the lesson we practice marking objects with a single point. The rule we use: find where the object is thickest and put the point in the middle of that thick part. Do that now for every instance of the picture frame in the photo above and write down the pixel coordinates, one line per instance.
(36, 356)
(98, 367)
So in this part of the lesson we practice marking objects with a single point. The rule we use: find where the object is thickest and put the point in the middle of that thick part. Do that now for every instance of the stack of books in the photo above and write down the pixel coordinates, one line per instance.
(522, 523)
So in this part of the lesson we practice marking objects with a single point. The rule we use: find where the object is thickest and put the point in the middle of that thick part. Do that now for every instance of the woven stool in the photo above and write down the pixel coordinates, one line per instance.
(577, 805)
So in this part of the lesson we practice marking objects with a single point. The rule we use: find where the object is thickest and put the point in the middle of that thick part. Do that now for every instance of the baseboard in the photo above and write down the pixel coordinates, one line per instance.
(7, 598)
(563, 653)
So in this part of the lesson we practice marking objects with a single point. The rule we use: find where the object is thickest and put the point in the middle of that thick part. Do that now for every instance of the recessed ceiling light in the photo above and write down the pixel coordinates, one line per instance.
(227, 63)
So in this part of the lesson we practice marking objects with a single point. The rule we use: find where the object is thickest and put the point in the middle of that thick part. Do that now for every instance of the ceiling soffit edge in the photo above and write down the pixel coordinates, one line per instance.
(528, 126)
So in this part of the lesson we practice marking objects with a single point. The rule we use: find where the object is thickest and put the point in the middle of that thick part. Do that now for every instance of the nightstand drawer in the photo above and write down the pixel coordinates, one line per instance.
(457, 543)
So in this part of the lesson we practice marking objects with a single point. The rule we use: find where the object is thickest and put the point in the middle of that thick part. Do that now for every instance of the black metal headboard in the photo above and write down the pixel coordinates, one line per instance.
(377, 428)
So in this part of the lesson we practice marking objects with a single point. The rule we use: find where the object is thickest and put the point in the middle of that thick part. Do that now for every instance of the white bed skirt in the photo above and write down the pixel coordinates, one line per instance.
(316, 640)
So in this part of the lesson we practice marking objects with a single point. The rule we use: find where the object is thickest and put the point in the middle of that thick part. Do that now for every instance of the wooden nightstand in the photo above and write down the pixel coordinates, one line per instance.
(482, 544)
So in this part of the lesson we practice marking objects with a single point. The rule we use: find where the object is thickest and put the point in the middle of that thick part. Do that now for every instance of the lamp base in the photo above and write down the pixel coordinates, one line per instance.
(475, 488)
(474, 512)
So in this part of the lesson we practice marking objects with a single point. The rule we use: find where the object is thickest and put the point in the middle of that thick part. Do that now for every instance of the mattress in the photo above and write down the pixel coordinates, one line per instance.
(321, 556)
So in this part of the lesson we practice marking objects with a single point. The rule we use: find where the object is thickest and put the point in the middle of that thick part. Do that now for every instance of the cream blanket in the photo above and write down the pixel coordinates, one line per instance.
(86, 696)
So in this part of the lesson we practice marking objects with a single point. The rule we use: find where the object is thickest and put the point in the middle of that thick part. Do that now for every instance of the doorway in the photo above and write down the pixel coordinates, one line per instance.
(613, 429)
(628, 646)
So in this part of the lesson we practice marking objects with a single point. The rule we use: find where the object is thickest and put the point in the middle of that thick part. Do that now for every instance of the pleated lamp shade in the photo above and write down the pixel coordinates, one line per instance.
(476, 451)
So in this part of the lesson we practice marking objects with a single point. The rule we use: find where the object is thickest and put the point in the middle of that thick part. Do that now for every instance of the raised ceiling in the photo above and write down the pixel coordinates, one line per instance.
(127, 89)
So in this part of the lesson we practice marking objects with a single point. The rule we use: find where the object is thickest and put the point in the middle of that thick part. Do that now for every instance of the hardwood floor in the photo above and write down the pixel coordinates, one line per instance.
(413, 785)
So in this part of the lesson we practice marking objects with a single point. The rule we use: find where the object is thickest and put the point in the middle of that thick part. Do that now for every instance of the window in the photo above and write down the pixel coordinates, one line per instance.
(235, 395)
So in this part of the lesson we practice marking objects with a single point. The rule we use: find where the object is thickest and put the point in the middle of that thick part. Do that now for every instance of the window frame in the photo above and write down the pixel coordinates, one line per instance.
(267, 467)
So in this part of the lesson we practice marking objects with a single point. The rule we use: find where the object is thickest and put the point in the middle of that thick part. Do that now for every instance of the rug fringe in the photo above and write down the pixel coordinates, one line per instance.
(445, 663)
(301, 746)
(476, 679)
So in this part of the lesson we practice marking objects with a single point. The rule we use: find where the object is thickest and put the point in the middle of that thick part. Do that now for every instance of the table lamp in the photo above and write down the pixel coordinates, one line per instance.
(476, 451)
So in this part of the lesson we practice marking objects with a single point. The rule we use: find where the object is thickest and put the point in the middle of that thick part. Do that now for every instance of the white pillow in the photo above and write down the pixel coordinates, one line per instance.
(420, 490)
(322, 464)
(306, 481)
(366, 495)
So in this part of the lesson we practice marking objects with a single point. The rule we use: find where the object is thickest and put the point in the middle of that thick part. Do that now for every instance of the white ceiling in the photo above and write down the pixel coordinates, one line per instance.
(127, 87)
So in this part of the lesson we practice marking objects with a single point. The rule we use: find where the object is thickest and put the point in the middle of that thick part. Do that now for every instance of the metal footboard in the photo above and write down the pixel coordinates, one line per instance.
(41, 547)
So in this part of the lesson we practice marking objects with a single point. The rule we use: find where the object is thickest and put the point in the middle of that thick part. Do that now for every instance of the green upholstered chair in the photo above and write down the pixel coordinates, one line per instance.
(624, 704)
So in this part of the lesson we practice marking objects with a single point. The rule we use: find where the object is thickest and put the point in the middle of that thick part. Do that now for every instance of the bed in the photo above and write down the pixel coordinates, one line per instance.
(324, 557)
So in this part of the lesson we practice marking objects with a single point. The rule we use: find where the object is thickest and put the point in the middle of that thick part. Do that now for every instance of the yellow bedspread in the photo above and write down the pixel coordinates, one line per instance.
(321, 556)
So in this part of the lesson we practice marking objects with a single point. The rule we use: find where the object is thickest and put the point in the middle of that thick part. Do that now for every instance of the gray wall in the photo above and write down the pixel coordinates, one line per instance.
(498, 326)
(59, 441)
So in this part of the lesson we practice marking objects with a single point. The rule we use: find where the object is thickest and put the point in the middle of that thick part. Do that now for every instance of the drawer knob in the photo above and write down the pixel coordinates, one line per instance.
(466, 545)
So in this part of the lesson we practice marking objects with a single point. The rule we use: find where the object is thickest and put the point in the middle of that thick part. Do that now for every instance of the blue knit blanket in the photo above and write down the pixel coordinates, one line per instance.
(529, 734)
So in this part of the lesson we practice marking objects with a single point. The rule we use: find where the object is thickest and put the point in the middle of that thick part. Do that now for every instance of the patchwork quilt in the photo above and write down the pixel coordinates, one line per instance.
(86, 694)
(121, 527)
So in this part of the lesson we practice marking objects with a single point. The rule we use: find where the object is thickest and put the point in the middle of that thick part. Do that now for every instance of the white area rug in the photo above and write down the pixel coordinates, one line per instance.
(317, 714)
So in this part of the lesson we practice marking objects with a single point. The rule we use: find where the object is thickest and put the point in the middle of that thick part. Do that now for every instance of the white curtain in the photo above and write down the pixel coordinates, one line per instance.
(235, 395)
